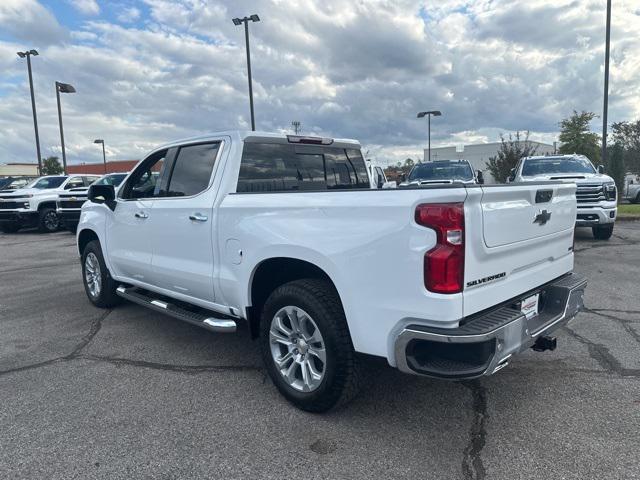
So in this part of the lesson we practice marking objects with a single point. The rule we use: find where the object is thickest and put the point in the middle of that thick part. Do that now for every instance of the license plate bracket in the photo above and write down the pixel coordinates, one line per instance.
(529, 306)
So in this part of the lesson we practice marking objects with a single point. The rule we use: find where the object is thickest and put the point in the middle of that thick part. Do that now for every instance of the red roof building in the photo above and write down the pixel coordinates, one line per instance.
(115, 166)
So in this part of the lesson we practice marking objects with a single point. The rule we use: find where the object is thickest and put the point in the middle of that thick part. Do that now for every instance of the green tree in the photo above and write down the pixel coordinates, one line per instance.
(408, 164)
(627, 134)
(577, 137)
(509, 154)
(51, 166)
(615, 167)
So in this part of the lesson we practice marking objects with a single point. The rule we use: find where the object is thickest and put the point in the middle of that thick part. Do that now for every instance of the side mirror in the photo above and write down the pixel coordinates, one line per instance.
(480, 177)
(600, 168)
(380, 181)
(403, 177)
(103, 194)
(512, 175)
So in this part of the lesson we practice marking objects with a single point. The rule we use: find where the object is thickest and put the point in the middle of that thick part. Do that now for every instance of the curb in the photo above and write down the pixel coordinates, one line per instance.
(628, 218)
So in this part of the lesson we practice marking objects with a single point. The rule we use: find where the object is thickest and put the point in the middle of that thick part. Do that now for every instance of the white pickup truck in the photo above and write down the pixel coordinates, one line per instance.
(596, 192)
(35, 204)
(286, 235)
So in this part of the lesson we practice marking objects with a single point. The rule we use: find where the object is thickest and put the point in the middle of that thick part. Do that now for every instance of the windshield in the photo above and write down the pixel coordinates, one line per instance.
(47, 182)
(441, 171)
(114, 180)
(556, 165)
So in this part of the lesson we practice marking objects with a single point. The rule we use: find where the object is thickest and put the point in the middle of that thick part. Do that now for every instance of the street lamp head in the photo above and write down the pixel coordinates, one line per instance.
(237, 21)
(435, 113)
(254, 18)
(33, 52)
(98, 141)
(65, 88)
(21, 54)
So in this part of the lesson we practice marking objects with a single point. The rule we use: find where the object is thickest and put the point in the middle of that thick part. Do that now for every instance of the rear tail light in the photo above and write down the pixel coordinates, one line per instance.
(444, 263)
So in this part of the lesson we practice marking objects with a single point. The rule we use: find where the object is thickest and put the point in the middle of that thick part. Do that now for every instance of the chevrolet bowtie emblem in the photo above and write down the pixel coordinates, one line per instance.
(542, 217)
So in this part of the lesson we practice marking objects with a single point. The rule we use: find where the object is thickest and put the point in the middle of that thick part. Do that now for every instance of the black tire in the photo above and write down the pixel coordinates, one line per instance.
(603, 232)
(637, 200)
(106, 296)
(342, 374)
(10, 227)
(48, 220)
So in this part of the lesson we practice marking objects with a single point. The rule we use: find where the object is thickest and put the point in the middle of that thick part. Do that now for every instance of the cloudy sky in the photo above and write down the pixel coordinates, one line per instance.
(149, 71)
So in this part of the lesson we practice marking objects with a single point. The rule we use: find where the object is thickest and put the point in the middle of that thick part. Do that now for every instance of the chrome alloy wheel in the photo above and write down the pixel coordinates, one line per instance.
(92, 274)
(297, 348)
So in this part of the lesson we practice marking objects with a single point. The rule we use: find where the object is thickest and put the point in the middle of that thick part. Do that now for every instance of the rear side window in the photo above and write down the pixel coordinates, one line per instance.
(275, 167)
(192, 169)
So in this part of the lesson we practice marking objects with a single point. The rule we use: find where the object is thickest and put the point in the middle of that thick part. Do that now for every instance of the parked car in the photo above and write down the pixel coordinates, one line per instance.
(285, 234)
(35, 204)
(632, 189)
(379, 178)
(596, 193)
(70, 202)
(442, 172)
(13, 183)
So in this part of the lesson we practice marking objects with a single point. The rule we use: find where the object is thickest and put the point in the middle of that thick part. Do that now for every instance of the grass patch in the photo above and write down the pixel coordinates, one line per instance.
(629, 209)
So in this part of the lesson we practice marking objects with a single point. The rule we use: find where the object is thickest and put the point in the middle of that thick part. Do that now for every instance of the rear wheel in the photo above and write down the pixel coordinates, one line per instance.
(306, 346)
(98, 284)
(48, 221)
(603, 232)
(10, 227)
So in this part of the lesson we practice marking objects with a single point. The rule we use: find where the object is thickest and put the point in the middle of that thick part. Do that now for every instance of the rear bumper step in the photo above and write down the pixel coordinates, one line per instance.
(485, 343)
(210, 321)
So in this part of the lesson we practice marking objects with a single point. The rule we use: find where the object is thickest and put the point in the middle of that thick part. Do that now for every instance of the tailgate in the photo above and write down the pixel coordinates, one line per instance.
(518, 237)
(520, 212)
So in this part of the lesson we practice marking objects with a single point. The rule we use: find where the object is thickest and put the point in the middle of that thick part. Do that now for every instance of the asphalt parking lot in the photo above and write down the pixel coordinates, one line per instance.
(128, 393)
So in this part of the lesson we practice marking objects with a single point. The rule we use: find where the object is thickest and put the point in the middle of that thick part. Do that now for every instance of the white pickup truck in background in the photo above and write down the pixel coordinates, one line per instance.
(442, 172)
(35, 204)
(286, 235)
(596, 192)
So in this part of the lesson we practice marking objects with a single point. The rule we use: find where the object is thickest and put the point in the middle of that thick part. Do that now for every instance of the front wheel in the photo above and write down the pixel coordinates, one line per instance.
(98, 284)
(603, 232)
(48, 220)
(306, 346)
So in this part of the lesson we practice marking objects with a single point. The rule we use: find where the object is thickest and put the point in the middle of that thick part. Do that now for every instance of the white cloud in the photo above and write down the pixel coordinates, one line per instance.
(86, 7)
(129, 14)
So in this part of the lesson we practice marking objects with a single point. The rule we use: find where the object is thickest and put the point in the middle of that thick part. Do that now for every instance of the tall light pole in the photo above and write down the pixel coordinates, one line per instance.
(296, 126)
(28, 55)
(605, 107)
(63, 88)
(435, 113)
(237, 22)
(104, 156)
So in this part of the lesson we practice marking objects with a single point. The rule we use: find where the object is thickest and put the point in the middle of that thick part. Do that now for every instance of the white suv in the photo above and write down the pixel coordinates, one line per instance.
(596, 193)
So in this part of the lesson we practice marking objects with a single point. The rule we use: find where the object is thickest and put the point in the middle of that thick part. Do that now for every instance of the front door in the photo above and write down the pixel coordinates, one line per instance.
(182, 223)
(128, 232)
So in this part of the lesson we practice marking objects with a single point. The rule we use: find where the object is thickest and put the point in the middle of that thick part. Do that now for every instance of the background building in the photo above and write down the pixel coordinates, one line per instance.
(18, 169)
(478, 155)
(115, 166)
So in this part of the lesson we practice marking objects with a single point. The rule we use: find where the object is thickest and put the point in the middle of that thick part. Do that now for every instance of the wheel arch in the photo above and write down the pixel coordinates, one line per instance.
(47, 204)
(84, 237)
(273, 272)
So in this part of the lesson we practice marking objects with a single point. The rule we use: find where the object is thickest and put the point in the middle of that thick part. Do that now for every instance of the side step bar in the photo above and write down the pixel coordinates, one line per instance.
(208, 322)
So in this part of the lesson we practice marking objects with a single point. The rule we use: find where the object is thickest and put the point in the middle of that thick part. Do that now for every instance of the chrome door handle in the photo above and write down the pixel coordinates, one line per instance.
(198, 217)
(141, 215)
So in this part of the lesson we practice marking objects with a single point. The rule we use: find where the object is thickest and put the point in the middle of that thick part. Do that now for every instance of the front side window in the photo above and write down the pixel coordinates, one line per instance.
(277, 167)
(556, 165)
(114, 180)
(143, 181)
(47, 182)
(192, 170)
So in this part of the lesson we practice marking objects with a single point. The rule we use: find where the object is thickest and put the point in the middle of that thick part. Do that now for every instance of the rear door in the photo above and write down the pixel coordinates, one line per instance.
(518, 237)
(181, 223)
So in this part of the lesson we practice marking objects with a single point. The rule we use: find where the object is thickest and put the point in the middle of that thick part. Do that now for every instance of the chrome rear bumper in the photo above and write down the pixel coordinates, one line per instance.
(483, 344)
